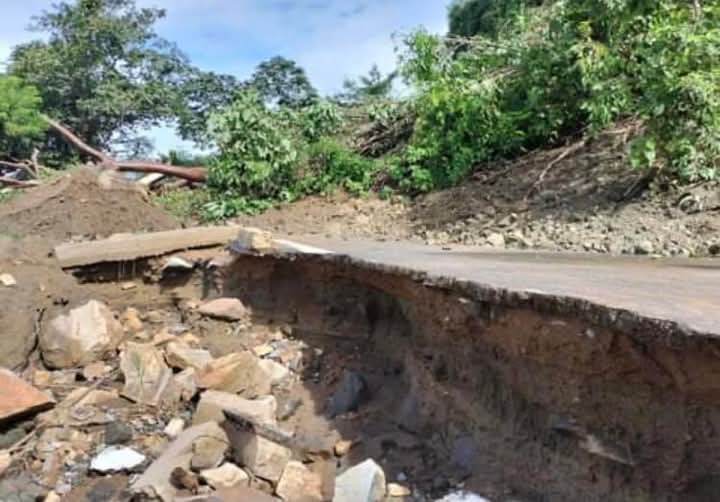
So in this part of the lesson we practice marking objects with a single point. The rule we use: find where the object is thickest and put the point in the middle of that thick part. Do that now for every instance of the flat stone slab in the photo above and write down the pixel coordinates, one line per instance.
(682, 291)
(128, 247)
(18, 398)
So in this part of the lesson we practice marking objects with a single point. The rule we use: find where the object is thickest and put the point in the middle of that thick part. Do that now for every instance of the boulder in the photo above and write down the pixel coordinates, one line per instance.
(213, 403)
(19, 398)
(255, 240)
(363, 483)
(226, 475)
(241, 373)
(351, 391)
(156, 480)
(146, 374)
(225, 309)
(85, 335)
(208, 453)
(181, 357)
(299, 483)
(262, 457)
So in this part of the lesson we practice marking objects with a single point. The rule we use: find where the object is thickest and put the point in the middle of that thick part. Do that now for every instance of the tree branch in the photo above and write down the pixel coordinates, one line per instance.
(17, 183)
(193, 174)
(71, 138)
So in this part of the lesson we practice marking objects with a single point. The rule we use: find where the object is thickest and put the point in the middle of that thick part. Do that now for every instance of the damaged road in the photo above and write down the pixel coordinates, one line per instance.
(358, 371)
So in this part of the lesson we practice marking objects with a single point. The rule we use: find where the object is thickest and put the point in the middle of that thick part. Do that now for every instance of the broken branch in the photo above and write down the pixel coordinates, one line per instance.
(17, 183)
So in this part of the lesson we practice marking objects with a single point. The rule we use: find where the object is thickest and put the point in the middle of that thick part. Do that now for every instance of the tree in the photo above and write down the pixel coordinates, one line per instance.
(467, 18)
(203, 94)
(371, 86)
(281, 82)
(20, 119)
(102, 70)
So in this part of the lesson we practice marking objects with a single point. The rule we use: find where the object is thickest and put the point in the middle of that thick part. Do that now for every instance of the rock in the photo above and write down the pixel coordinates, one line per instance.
(85, 335)
(397, 491)
(116, 459)
(181, 357)
(300, 484)
(240, 373)
(5, 461)
(343, 447)
(714, 249)
(21, 488)
(348, 396)
(182, 479)
(174, 428)
(462, 497)
(53, 497)
(177, 264)
(212, 403)
(185, 384)
(242, 493)
(644, 248)
(463, 453)
(254, 240)
(226, 475)
(363, 483)
(155, 481)
(496, 240)
(263, 457)
(146, 374)
(263, 350)
(225, 309)
(118, 433)
(18, 398)
(95, 371)
(127, 286)
(7, 280)
(208, 453)
(131, 320)
(289, 408)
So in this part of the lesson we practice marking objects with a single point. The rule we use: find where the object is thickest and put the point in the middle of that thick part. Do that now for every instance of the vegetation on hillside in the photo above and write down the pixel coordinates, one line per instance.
(511, 76)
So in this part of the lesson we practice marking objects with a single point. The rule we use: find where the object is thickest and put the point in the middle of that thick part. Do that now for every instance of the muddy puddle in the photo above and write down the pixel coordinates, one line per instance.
(306, 378)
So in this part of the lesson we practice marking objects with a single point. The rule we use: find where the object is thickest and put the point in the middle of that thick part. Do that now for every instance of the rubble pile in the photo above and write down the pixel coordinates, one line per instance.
(131, 406)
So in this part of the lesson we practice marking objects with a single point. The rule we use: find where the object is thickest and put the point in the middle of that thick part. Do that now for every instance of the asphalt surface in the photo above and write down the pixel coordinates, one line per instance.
(679, 290)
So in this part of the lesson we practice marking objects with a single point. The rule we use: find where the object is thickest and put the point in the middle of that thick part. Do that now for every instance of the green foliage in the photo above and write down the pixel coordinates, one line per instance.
(267, 155)
(257, 155)
(184, 158)
(101, 69)
(20, 121)
(281, 82)
(319, 119)
(202, 94)
(332, 165)
(467, 18)
(183, 203)
(371, 87)
(564, 70)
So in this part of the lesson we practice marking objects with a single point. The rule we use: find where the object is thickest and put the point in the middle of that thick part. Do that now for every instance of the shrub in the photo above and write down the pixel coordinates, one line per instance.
(20, 120)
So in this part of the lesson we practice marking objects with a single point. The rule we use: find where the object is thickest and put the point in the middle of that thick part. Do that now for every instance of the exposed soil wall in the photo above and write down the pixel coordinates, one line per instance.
(540, 399)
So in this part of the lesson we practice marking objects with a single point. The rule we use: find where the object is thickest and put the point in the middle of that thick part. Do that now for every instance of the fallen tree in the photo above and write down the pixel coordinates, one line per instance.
(194, 174)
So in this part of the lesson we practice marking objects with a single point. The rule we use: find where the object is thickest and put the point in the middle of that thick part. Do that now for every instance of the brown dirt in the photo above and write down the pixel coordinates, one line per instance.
(81, 204)
(581, 205)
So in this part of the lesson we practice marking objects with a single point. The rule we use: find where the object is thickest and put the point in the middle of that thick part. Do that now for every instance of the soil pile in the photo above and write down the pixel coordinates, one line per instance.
(583, 198)
(82, 204)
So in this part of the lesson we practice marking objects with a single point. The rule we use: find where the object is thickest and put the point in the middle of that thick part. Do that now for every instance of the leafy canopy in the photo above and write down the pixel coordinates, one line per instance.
(20, 119)
(281, 82)
(102, 70)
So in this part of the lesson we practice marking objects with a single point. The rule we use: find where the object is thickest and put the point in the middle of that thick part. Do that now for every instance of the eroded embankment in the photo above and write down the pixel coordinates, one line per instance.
(534, 397)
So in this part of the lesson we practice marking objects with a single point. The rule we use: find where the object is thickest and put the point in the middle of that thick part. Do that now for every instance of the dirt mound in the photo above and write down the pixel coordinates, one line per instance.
(584, 198)
(82, 203)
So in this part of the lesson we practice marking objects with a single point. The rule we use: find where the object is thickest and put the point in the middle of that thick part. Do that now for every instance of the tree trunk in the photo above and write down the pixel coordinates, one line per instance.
(193, 174)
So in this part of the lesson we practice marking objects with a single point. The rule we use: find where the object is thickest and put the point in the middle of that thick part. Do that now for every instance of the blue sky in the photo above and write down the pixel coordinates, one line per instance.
(331, 39)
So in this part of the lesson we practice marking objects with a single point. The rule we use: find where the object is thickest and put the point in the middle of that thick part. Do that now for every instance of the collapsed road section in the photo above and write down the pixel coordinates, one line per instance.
(338, 370)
